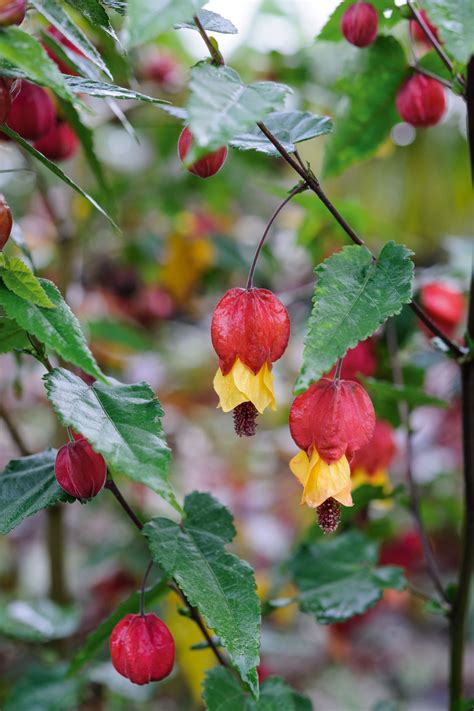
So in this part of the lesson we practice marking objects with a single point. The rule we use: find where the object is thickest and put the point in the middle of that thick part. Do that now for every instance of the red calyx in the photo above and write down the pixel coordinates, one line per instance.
(421, 101)
(205, 167)
(335, 416)
(443, 304)
(359, 24)
(358, 361)
(12, 12)
(142, 648)
(79, 470)
(379, 452)
(418, 33)
(32, 112)
(6, 221)
(59, 37)
(59, 143)
(250, 324)
(5, 101)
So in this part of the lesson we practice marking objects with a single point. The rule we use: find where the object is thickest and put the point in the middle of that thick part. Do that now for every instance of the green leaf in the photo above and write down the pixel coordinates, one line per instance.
(289, 127)
(57, 328)
(454, 20)
(369, 111)
(221, 107)
(354, 295)
(121, 422)
(96, 639)
(11, 336)
(102, 89)
(28, 485)
(44, 689)
(220, 585)
(211, 21)
(26, 53)
(56, 170)
(119, 6)
(54, 12)
(331, 32)
(120, 333)
(338, 577)
(37, 621)
(385, 391)
(146, 19)
(93, 11)
(222, 692)
(18, 278)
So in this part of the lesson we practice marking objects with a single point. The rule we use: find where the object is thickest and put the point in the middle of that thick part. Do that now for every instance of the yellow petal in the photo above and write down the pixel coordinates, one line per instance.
(299, 466)
(327, 481)
(257, 388)
(229, 395)
(378, 478)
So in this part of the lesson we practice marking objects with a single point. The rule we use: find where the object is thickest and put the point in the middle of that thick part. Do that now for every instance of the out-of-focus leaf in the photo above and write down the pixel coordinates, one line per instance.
(338, 578)
(454, 20)
(211, 21)
(122, 422)
(218, 583)
(119, 6)
(37, 621)
(54, 12)
(95, 13)
(120, 333)
(413, 396)
(331, 32)
(222, 691)
(18, 278)
(369, 111)
(102, 89)
(28, 485)
(354, 295)
(44, 689)
(146, 19)
(11, 336)
(289, 127)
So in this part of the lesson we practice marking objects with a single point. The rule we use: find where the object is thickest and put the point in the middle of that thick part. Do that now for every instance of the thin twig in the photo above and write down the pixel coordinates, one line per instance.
(142, 589)
(14, 432)
(213, 50)
(420, 70)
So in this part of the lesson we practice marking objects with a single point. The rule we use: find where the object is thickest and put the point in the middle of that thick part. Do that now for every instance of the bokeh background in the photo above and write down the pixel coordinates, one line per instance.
(145, 298)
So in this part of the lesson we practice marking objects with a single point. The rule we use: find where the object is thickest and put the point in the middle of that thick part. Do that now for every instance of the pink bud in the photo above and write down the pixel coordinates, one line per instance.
(421, 101)
(205, 167)
(79, 470)
(359, 24)
(59, 143)
(142, 648)
(12, 12)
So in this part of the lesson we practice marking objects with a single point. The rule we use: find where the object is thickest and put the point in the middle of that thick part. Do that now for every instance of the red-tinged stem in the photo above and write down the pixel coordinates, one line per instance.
(142, 590)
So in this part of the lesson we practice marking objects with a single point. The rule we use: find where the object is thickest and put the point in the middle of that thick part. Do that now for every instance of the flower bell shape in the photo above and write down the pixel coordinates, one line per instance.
(60, 143)
(32, 112)
(142, 648)
(359, 24)
(371, 462)
(79, 470)
(6, 221)
(329, 422)
(12, 12)
(421, 101)
(208, 165)
(444, 304)
(250, 330)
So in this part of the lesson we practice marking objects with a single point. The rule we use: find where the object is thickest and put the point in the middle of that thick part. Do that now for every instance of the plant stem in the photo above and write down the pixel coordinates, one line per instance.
(431, 75)
(298, 189)
(55, 541)
(13, 431)
(217, 57)
(142, 590)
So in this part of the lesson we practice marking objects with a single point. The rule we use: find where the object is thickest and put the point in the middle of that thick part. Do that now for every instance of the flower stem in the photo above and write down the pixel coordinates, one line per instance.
(142, 590)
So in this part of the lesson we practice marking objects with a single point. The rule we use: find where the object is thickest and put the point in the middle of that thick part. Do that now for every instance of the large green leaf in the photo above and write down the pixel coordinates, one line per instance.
(220, 585)
(37, 621)
(18, 278)
(56, 170)
(122, 422)
(369, 110)
(289, 127)
(54, 12)
(331, 31)
(28, 485)
(354, 295)
(211, 21)
(338, 577)
(44, 689)
(220, 106)
(95, 13)
(26, 53)
(11, 336)
(102, 89)
(222, 692)
(454, 20)
(146, 19)
(57, 328)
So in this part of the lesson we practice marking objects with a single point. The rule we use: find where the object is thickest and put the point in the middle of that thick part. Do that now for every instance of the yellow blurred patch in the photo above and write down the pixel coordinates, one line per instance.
(321, 480)
(242, 385)
(186, 258)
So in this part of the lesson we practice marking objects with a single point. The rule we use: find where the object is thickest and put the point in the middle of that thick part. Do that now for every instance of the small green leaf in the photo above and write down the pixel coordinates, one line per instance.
(57, 327)
(338, 578)
(386, 391)
(369, 112)
(11, 336)
(93, 11)
(28, 485)
(211, 21)
(331, 32)
(454, 20)
(146, 19)
(37, 621)
(220, 585)
(44, 689)
(221, 107)
(102, 89)
(289, 127)
(18, 278)
(121, 422)
(354, 295)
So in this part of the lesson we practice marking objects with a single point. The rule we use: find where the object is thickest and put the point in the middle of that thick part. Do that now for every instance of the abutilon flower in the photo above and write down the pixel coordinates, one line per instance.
(6, 221)
(329, 422)
(421, 101)
(371, 462)
(418, 33)
(79, 470)
(444, 304)
(250, 331)
(359, 24)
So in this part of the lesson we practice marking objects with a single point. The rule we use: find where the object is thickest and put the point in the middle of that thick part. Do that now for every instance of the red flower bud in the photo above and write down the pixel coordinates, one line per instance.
(162, 69)
(142, 648)
(79, 470)
(59, 143)
(32, 112)
(418, 33)
(335, 416)
(358, 361)
(250, 324)
(406, 550)
(209, 165)
(59, 37)
(421, 101)
(12, 12)
(6, 221)
(443, 304)
(5, 101)
(359, 24)
(378, 453)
